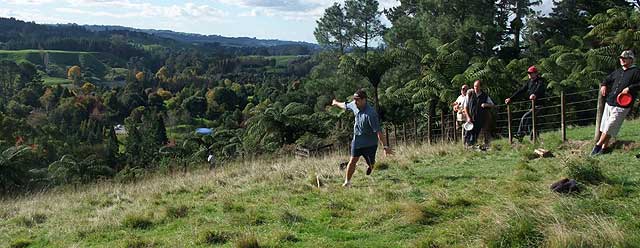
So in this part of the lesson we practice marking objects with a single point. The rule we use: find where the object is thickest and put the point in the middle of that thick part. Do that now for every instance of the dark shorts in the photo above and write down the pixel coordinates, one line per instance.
(369, 153)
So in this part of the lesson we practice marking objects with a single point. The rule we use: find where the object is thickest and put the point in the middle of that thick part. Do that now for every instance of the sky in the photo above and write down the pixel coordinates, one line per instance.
(292, 20)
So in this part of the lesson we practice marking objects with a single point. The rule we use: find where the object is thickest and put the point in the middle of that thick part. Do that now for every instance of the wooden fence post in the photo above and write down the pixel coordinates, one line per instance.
(509, 124)
(404, 133)
(429, 122)
(415, 129)
(563, 118)
(442, 126)
(455, 138)
(533, 121)
(386, 134)
(395, 136)
(599, 116)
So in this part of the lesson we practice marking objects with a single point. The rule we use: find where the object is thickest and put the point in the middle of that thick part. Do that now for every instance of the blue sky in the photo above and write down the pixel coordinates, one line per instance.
(267, 19)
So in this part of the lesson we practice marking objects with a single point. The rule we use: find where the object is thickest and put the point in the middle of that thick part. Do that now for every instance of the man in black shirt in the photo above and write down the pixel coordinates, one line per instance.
(625, 80)
(535, 89)
(476, 110)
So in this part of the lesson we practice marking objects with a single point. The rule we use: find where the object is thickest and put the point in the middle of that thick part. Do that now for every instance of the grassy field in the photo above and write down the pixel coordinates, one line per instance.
(34, 56)
(55, 81)
(424, 196)
(98, 63)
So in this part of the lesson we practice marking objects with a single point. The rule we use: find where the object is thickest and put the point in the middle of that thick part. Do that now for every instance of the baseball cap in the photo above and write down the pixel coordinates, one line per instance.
(360, 94)
(532, 69)
(628, 54)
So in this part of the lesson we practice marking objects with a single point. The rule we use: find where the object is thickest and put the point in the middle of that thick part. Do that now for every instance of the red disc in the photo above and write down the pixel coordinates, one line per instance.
(624, 99)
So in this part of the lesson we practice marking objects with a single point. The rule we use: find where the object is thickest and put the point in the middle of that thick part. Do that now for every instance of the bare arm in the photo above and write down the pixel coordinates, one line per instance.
(381, 138)
(467, 115)
(338, 104)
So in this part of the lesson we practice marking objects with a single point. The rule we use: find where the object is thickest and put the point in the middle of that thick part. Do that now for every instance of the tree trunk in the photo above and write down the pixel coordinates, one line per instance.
(375, 96)
(366, 37)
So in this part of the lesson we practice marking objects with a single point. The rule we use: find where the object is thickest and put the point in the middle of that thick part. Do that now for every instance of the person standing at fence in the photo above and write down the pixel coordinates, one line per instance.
(624, 80)
(459, 110)
(366, 134)
(476, 109)
(535, 89)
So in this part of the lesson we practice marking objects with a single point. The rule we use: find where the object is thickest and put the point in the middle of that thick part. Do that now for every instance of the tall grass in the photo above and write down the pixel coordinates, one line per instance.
(424, 196)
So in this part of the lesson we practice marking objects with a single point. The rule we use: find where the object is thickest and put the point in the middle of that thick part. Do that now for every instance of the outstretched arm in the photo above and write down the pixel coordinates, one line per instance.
(518, 92)
(338, 104)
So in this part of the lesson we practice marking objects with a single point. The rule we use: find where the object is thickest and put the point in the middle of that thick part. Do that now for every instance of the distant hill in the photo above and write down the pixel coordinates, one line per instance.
(198, 38)
(127, 42)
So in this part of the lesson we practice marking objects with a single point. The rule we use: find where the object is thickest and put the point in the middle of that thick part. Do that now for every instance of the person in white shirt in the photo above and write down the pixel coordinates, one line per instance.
(459, 110)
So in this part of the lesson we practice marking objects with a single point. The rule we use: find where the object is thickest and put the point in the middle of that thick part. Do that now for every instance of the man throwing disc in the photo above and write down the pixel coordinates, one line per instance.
(366, 134)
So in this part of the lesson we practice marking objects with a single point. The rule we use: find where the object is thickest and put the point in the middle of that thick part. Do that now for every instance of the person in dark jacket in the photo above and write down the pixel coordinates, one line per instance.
(476, 110)
(535, 89)
(623, 80)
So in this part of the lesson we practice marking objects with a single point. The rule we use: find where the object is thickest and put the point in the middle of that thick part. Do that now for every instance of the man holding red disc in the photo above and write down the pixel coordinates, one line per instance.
(620, 89)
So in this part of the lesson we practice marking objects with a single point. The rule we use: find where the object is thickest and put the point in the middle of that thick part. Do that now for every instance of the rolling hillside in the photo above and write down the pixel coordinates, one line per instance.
(58, 62)
(424, 196)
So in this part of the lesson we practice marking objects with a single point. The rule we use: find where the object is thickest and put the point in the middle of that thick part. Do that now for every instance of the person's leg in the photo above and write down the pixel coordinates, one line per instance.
(605, 124)
(468, 138)
(604, 140)
(351, 168)
(370, 157)
(537, 133)
(525, 125)
(476, 132)
(612, 120)
(486, 134)
(616, 118)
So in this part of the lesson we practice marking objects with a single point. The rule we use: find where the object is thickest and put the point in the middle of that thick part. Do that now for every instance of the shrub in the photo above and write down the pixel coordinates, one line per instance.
(20, 243)
(521, 231)
(381, 165)
(177, 211)
(24, 221)
(288, 237)
(290, 218)
(137, 242)
(229, 206)
(39, 218)
(247, 242)
(137, 221)
(214, 237)
(584, 170)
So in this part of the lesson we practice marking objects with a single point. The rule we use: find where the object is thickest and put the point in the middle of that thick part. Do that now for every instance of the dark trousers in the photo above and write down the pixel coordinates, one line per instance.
(526, 123)
(471, 137)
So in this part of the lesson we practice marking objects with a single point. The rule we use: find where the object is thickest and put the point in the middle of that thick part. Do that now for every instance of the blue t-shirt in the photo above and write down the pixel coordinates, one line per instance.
(365, 127)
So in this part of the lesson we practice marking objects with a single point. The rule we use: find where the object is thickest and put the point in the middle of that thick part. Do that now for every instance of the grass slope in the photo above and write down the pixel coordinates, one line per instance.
(34, 56)
(424, 196)
(97, 63)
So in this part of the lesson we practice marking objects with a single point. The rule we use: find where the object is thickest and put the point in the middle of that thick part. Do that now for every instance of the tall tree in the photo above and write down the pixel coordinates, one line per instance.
(365, 18)
(571, 17)
(75, 75)
(372, 67)
(333, 29)
(513, 12)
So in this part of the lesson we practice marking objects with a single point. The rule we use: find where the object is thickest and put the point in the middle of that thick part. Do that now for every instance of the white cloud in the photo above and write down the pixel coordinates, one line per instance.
(281, 5)
(30, 15)
(127, 9)
(291, 9)
(28, 2)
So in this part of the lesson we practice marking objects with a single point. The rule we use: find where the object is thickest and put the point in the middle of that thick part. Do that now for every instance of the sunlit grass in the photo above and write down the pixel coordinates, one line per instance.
(424, 196)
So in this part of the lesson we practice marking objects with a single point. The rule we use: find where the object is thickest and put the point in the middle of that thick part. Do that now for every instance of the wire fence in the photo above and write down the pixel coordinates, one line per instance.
(549, 114)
